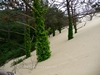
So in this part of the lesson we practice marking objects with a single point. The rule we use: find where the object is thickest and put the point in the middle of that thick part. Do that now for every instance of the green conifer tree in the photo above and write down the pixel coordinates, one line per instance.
(42, 43)
(27, 42)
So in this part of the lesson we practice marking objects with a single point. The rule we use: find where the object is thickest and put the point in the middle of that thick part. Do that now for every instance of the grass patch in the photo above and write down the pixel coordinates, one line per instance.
(18, 61)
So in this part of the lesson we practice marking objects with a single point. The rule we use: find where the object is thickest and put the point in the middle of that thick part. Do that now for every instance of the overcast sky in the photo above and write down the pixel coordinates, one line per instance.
(79, 7)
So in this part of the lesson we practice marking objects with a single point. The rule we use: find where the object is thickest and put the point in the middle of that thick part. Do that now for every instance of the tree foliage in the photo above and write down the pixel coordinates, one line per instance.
(27, 42)
(55, 19)
(42, 43)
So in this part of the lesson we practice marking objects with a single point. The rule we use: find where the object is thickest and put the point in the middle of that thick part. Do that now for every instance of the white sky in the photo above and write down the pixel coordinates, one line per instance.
(80, 7)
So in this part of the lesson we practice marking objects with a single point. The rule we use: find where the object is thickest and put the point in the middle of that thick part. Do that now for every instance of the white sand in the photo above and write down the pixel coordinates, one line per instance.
(79, 56)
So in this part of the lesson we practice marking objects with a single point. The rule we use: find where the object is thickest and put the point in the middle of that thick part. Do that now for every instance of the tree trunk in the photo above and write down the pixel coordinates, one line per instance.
(70, 29)
(53, 30)
(74, 19)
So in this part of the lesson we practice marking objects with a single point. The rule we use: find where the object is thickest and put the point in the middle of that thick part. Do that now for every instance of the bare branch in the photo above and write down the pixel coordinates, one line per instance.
(25, 24)
(11, 31)
(25, 15)
(28, 4)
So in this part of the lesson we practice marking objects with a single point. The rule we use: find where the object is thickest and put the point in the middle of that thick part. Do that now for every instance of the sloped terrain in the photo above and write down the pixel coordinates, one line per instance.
(79, 56)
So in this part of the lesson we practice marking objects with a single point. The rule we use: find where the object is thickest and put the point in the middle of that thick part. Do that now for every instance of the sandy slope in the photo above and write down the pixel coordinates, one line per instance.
(79, 56)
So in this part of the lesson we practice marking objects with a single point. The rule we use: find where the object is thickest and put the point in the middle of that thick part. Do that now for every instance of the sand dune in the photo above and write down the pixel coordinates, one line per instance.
(79, 56)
